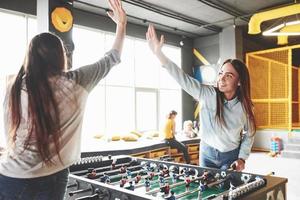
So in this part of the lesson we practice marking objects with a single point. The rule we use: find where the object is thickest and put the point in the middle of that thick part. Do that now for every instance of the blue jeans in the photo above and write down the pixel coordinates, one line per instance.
(213, 158)
(50, 187)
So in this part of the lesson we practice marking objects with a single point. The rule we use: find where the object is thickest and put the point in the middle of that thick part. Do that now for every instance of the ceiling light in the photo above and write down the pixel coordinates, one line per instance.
(272, 31)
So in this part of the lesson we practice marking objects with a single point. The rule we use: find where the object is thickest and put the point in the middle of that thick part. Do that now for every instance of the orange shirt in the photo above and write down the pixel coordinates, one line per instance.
(168, 129)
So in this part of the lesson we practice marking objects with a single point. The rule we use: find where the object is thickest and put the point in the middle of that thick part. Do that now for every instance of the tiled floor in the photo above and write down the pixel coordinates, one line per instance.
(261, 163)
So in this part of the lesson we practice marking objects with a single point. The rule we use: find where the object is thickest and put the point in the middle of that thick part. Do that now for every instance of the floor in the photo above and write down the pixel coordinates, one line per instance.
(262, 163)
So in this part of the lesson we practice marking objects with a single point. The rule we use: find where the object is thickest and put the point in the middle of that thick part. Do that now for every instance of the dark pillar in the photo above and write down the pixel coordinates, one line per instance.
(56, 16)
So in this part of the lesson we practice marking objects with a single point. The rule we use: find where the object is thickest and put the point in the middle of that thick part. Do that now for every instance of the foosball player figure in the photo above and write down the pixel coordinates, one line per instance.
(172, 196)
(187, 181)
(147, 184)
(129, 186)
(166, 172)
(107, 181)
(161, 180)
(92, 174)
(138, 178)
(123, 180)
(174, 177)
(151, 174)
(128, 173)
(113, 164)
(192, 172)
(147, 166)
(202, 186)
(183, 171)
(166, 188)
(104, 178)
(123, 169)
(186, 173)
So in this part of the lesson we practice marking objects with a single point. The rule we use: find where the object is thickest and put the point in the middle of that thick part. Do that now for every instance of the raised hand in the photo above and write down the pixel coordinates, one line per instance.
(117, 14)
(153, 42)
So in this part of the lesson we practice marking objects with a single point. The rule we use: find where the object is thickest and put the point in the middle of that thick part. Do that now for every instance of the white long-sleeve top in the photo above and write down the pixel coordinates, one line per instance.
(222, 138)
(69, 87)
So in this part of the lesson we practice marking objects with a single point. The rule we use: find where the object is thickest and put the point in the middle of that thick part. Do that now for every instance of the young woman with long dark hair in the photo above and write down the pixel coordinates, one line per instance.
(227, 124)
(44, 109)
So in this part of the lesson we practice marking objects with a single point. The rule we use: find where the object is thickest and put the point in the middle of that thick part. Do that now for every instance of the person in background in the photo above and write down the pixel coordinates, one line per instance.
(169, 136)
(227, 124)
(44, 110)
(188, 130)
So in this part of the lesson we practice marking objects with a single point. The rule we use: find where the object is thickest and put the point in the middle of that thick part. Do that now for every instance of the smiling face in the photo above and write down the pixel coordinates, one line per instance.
(228, 81)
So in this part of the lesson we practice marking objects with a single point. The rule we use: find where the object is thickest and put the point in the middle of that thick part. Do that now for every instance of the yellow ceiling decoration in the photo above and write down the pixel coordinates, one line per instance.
(62, 19)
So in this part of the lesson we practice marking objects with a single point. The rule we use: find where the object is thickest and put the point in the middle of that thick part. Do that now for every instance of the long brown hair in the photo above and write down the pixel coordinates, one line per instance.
(45, 57)
(242, 93)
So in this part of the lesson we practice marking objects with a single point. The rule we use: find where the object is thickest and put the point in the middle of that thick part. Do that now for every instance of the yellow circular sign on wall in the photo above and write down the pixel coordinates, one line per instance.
(62, 19)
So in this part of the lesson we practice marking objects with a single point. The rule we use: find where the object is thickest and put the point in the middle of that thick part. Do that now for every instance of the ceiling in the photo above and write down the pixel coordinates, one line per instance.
(191, 18)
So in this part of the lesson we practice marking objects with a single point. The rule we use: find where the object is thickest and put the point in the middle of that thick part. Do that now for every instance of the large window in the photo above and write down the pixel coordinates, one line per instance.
(137, 94)
(16, 30)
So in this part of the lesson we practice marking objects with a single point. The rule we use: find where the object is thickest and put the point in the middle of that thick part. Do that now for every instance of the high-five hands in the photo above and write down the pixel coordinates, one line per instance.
(117, 14)
(153, 42)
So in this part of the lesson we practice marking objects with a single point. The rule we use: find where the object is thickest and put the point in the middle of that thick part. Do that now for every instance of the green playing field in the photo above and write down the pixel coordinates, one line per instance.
(179, 189)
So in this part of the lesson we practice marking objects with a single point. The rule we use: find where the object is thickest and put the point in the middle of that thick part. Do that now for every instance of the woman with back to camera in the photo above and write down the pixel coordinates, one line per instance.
(227, 124)
(44, 109)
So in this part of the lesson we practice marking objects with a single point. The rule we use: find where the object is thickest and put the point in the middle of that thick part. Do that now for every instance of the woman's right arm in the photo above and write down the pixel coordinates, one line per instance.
(89, 75)
(189, 84)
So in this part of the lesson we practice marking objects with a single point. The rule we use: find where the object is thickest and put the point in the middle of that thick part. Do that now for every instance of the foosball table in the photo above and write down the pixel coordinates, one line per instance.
(130, 178)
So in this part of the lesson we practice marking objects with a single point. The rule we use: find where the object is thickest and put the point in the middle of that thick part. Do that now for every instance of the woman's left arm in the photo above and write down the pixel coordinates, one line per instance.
(245, 148)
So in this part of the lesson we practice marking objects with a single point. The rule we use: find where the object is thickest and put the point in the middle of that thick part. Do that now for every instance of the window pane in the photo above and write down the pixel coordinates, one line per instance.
(89, 46)
(13, 43)
(119, 109)
(166, 80)
(123, 73)
(94, 117)
(146, 110)
(170, 100)
(146, 66)
(32, 28)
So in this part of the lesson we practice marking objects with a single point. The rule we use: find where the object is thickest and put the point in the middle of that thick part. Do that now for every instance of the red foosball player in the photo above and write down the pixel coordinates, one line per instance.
(92, 174)
(137, 178)
(166, 188)
(123, 169)
(113, 164)
(123, 181)
(151, 175)
(187, 181)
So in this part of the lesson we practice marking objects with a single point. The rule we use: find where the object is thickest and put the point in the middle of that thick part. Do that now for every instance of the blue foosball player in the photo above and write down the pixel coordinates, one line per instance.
(105, 178)
(161, 180)
(172, 196)
(174, 177)
(147, 184)
(129, 173)
(129, 186)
